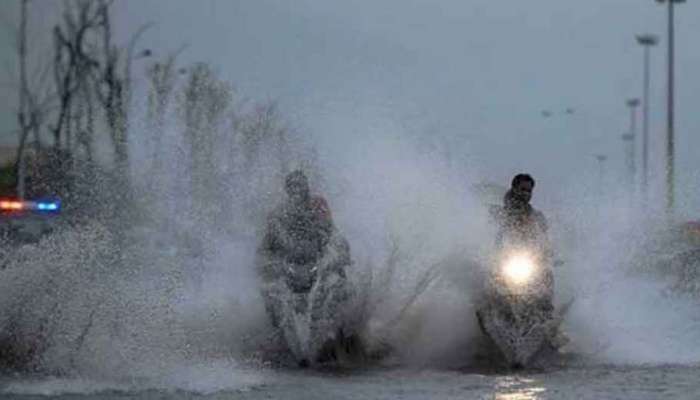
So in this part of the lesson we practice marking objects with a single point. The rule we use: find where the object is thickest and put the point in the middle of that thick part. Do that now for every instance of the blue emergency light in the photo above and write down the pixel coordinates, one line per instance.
(47, 206)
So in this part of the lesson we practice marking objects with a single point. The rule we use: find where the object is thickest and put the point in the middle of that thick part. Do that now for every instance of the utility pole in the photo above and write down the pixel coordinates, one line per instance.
(670, 143)
(633, 104)
(646, 41)
(628, 139)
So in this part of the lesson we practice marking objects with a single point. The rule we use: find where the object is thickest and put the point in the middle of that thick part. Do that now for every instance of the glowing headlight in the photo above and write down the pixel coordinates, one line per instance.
(518, 269)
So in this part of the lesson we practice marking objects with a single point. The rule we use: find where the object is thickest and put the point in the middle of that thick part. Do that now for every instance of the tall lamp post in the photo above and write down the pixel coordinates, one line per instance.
(633, 104)
(628, 138)
(646, 41)
(669, 136)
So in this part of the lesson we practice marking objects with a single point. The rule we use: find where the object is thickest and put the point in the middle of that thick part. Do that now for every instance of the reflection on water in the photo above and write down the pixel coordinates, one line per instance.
(514, 388)
(525, 394)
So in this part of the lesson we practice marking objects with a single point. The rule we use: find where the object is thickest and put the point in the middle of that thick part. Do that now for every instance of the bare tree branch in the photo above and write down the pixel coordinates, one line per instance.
(23, 104)
(72, 61)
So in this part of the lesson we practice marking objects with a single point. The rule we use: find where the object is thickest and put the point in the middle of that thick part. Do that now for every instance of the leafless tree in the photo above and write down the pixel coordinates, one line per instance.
(162, 80)
(110, 88)
(86, 130)
(203, 105)
(264, 138)
(88, 72)
(73, 62)
(113, 82)
(22, 114)
(33, 103)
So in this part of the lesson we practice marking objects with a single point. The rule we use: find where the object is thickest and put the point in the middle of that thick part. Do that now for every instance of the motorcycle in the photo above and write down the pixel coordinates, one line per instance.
(516, 311)
(311, 306)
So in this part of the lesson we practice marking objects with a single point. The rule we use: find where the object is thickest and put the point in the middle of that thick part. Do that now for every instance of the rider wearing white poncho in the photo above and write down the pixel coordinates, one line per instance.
(302, 265)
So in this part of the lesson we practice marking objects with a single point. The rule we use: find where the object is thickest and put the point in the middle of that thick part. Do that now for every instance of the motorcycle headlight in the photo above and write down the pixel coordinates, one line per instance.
(518, 269)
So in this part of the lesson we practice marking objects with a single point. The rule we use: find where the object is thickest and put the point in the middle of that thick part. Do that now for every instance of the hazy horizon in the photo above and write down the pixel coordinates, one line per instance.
(475, 76)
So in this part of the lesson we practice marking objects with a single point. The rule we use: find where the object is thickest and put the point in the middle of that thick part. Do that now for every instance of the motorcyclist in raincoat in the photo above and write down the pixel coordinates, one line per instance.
(519, 222)
(300, 228)
(298, 235)
(518, 217)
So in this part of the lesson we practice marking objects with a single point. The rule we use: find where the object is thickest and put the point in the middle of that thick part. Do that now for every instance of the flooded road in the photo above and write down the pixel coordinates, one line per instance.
(589, 382)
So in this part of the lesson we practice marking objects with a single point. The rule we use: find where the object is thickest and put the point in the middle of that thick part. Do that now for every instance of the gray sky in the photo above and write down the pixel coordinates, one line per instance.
(477, 73)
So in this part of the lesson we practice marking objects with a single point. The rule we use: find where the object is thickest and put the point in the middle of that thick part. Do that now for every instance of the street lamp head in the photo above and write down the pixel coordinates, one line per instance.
(628, 137)
(633, 102)
(672, 1)
(601, 157)
(647, 39)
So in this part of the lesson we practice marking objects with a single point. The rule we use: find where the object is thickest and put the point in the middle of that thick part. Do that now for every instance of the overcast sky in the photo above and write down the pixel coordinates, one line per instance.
(475, 73)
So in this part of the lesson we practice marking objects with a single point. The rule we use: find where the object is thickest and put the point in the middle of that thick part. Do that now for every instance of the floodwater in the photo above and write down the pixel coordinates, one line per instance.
(573, 382)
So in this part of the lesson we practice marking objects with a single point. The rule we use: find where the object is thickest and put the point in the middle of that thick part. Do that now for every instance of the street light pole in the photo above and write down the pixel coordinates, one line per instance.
(633, 104)
(670, 112)
(647, 41)
(628, 138)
